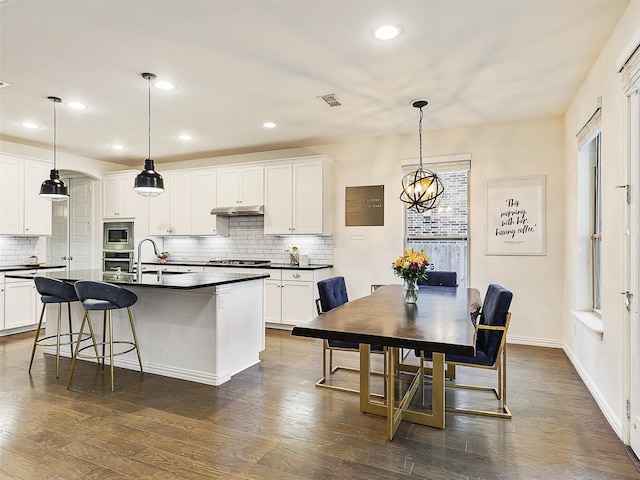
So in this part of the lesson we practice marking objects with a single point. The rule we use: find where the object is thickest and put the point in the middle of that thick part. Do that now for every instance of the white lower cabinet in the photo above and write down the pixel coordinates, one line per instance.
(290, 295)
(21, 303)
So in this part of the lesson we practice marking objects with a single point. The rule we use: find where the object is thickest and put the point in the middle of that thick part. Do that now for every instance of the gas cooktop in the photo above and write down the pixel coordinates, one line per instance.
(249, 263)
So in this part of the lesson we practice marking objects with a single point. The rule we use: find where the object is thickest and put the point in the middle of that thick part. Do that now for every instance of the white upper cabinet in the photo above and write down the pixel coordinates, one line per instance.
(203, 199)
(22, 210)
(170, 212)
(297, 197)
(278, 199)
(11, 196)
(37, 209)
(240, 186)
(119, 200)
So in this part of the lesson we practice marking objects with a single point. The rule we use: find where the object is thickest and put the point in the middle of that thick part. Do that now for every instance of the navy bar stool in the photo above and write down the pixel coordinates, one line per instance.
(52, 290)
(105, 297)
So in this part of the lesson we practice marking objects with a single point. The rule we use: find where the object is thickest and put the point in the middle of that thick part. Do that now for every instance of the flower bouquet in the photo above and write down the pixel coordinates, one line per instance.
(163, 256)
(412, 267)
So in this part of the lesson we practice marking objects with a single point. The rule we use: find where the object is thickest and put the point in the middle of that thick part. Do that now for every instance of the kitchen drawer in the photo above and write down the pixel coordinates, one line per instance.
(298, 275)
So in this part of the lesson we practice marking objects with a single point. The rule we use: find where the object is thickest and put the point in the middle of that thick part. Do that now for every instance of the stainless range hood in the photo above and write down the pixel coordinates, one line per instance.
(239, 211)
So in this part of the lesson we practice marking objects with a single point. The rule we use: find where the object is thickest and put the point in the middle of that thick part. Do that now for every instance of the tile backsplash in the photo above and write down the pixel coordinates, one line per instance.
(17, 250)
(247, 241)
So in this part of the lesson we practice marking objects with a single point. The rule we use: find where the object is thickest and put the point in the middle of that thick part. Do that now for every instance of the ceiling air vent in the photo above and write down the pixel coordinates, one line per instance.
(331, 100)
(4, 84)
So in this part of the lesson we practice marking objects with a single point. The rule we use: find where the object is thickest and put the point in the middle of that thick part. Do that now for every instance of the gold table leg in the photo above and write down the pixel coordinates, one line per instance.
(396, 414)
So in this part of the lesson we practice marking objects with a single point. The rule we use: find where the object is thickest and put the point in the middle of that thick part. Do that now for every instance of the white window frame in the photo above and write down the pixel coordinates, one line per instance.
(439, 164)
(590, 221)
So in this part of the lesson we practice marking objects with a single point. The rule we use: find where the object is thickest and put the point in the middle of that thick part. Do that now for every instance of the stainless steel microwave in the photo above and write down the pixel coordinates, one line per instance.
(118, 236)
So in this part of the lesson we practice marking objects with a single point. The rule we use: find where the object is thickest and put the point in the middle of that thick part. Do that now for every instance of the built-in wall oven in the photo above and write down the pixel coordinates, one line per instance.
(117, 246)
(117, 259)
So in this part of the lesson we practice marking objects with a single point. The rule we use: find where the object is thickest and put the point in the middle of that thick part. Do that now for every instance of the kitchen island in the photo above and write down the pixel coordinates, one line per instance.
(202, 327)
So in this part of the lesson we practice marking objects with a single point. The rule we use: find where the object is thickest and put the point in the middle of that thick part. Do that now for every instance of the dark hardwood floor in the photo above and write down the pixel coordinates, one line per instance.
(270, 422)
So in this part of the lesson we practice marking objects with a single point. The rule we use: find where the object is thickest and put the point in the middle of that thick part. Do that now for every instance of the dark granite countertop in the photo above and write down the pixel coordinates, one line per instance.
(28, 266)
(281, 266)
(175, 280)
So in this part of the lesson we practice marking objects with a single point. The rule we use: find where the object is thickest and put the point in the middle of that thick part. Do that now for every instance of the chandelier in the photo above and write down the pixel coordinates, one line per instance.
(421, 189)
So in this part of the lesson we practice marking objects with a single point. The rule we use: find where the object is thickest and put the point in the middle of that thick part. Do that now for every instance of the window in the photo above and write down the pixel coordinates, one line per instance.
(596, 221)
(443, 233)
(590, 216)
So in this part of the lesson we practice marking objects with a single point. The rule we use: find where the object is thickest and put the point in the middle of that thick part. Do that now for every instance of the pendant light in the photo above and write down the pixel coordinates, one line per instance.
(422, 189)
(54, 188)
(149, 182)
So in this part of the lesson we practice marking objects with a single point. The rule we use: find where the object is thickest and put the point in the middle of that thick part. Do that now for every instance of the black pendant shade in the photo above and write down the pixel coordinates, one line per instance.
(149, 182)
(54, 188)
(421, 189)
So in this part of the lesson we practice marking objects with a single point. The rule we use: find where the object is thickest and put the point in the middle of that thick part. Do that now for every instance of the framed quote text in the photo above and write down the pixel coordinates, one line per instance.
(516, 216)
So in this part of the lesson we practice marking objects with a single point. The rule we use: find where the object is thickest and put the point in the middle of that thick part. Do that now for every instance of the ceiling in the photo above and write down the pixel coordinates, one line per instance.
(239, 63)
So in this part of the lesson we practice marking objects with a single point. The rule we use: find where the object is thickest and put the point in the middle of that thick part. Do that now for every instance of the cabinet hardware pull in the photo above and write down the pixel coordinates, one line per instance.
(296, 275)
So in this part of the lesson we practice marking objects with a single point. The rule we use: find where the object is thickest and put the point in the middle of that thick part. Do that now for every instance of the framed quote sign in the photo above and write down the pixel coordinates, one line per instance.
(364, 206)
(516, 216)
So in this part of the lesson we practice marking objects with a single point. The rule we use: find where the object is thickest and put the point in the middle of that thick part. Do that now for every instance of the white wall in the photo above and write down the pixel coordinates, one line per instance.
(515, 149)
(600, 360)
(65, 162)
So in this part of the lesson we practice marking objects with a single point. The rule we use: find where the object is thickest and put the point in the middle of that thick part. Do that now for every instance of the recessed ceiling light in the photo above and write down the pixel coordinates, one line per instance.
(164, 85)
(269, 125)
(76, 105)
(117, 147)
(387, 32)
(185, 137)
(30, 125)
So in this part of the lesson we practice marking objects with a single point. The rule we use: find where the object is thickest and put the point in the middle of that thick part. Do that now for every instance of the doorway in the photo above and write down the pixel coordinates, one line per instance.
(71, 239)
(632, 254)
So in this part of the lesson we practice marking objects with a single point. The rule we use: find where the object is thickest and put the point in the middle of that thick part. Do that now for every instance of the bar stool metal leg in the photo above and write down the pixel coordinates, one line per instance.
(38, 341)
(135, 338)
(75, 353)
(105, 297)
(35, 342)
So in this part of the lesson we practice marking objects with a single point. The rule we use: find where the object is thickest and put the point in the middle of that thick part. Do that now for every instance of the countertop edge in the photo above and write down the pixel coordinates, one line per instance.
(275, 266)
(13, 268)
(69, 277)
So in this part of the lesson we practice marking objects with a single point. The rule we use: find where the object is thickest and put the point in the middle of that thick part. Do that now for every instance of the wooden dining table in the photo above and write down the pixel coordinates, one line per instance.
(442, 322)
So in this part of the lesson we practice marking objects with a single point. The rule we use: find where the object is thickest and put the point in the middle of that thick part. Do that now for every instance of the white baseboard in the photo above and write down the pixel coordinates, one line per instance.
(182, 374)
(608, 413)
(534, 342)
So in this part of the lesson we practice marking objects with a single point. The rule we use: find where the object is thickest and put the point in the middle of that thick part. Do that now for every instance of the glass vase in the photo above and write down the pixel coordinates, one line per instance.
(411, 290)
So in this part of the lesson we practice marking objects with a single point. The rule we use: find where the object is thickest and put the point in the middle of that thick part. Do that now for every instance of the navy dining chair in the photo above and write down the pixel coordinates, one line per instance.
(491, 350)
(440, 278)
(332, 293)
